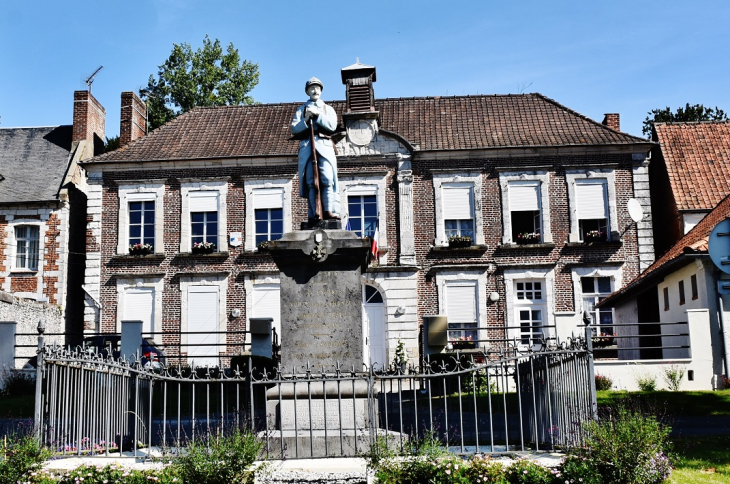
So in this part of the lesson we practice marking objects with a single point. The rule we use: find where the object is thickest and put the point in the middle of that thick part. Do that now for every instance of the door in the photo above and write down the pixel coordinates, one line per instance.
(139, 305)
(373, 317)
(203, 325)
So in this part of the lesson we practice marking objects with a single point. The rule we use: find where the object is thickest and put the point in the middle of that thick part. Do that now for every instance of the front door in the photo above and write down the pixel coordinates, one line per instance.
(373, 317)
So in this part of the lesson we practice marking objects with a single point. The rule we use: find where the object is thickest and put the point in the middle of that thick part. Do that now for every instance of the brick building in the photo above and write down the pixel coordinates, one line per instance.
(423, 170)
(43, 208)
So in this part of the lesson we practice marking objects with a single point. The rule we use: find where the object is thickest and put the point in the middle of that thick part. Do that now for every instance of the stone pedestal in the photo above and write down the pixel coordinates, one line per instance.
(321, 299)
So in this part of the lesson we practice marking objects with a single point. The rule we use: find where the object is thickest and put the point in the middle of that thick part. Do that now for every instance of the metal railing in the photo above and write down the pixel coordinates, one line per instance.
(641, 341)
(512, 400)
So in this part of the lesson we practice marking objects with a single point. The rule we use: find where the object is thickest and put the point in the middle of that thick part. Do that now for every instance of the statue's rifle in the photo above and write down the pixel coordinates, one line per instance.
(315, 171)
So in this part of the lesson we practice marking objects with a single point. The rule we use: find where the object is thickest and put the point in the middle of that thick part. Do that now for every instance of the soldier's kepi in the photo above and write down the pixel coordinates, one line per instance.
(313, 124)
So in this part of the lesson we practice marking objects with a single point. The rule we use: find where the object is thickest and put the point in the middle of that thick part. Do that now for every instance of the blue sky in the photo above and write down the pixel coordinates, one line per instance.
(594, 57)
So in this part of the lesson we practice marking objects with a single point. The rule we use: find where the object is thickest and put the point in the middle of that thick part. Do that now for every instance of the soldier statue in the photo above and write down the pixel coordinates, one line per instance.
(313, 124)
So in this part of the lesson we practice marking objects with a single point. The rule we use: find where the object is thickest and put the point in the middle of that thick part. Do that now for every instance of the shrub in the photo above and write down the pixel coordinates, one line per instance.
(484, 469)
(525, 471)
(577, 468)
(646, 382)
(603, 383)
(21, 456)
(624, 447)
(89, 474)
(16, 383)
(218, 459)
(673, 375)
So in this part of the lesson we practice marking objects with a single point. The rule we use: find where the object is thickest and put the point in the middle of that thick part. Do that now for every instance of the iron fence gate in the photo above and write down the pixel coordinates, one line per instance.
(488, 402)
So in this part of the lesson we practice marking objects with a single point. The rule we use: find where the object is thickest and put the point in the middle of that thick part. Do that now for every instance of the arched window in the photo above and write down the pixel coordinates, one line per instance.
(371, 295)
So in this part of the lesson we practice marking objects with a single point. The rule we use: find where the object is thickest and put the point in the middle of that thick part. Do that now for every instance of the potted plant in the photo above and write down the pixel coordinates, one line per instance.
(594, 236)
(462, 343)
(140, 249)
(400, 361)
(528, 238)
(263, 246)
(203, 248)
(459, 241)
(604, 340)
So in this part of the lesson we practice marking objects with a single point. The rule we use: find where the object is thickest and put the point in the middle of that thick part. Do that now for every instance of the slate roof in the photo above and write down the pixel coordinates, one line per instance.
(429, 123)
(33, 162)
(697, 156)
(694, 242)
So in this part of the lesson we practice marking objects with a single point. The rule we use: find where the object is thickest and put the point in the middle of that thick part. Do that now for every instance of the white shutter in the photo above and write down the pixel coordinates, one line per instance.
(203, 316)
(457, 202)
(139, 305)
(268, 198)
(524, 196)
(267, 304)
(203, 201)
(362, 190)
(461, 303)
(591, 200)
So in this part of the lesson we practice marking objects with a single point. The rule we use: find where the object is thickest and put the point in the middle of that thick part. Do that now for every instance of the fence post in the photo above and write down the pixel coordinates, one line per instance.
(39, 380)
(7, 344)
(591, 372)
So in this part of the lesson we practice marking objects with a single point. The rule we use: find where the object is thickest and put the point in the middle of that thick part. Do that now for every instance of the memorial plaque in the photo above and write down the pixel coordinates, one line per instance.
(321, 299)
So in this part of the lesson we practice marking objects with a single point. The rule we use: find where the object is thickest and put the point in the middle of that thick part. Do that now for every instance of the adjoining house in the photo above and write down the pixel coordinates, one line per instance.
(674, 310)
(43, 217)
(505, 213)
(690, 175)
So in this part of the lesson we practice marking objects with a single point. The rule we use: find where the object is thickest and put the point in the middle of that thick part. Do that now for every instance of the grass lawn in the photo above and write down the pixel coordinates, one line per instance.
(701, 460)
(677, 404)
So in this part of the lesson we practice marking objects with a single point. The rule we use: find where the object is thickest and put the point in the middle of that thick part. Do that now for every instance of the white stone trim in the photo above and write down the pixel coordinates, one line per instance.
(249, 187)
(541, 176)
(644, 227)
(480, 277)
(154, 192)
(615, 273)
(512, 275)
(92, 272)
(371, 185)
(203, 280)
(607, 174)
(219, 186)
(154, 282)
(16, 218)
(440, 179)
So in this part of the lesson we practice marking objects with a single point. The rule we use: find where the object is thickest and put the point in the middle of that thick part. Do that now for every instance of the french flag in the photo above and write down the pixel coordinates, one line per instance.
(374, 246)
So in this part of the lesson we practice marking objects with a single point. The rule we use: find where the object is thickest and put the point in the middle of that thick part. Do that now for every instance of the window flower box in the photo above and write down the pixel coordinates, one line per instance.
(263, 246)
(463, 343)
(140, 249)
(594, 236)
(604, 340)
(528, 238)
(458, 241)
(203, 248)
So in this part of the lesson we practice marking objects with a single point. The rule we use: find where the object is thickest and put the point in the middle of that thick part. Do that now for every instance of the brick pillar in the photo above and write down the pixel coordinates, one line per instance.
(133, 123)
(612, 121)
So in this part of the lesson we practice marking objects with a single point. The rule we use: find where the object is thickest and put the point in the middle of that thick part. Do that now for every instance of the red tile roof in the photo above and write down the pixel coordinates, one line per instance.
(431, 123)
(694, 242)
(697, 156)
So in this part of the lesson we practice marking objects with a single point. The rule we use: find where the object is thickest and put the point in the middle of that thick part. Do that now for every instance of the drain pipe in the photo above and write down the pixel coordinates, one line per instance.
(725, 358)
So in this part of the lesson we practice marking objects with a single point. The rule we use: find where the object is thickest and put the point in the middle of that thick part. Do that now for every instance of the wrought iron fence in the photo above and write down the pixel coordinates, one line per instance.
(514, 400)
(641, 341)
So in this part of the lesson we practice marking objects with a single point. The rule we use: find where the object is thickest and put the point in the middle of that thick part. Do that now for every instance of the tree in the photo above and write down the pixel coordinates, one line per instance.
(696, 112)
(205, 77)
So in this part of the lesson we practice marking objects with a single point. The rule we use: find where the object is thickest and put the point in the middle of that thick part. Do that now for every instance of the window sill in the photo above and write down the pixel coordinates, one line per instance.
(212, 255)
(543, 245)
(470, 248)
(23, 272)
(154, 256)
(607, 243)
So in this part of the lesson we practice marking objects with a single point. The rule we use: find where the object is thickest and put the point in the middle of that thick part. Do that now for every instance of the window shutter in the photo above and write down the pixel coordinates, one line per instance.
(591, 200)
(268, 198)
(139, 306)
(266, 304)
(203, 316)
(203, 201)
(524, 196)
(461, 303)
(457, 203)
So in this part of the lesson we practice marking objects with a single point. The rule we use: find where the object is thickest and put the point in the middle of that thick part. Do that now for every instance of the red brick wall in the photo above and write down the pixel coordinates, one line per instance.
(89, 117)
(133, 118)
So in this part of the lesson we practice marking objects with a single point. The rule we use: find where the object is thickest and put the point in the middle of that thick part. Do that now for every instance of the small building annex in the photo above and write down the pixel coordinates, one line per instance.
(534, 193)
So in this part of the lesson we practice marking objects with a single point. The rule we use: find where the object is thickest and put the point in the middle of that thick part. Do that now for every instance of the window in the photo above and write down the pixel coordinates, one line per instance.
(142, 222)
(203, 208)
(362, 214)
(269, 224)
(529, 302)
(592, 209)
(666, 298)
(458, 210)
(141, 216)
(524, 206)
(595, 289)
(203, 216)
(268, 211)
(681, 293)
(693, 284)
(26, 247)
(461, 311)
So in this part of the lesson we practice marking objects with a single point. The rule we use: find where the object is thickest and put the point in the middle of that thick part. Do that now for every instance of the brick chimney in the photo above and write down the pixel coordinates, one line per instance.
(133, 122)
(612, 121)
(89, 121)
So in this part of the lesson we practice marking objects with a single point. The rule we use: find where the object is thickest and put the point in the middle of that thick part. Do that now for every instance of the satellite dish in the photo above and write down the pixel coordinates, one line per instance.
(636, 211)
(719, 246)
